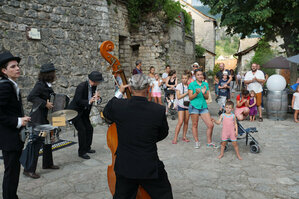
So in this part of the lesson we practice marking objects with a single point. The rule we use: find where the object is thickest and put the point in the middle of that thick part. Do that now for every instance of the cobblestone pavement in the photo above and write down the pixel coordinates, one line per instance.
(193, 173)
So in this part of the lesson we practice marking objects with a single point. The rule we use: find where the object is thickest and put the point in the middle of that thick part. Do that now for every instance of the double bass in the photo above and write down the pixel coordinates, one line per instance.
(112, 139)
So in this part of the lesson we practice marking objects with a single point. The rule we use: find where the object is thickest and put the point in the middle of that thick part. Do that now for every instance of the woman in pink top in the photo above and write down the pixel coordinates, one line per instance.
(242, 110)
(229, 129)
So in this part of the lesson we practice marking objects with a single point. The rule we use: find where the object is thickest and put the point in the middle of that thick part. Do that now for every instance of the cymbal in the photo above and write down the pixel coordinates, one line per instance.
(44, 127)
(69, 114)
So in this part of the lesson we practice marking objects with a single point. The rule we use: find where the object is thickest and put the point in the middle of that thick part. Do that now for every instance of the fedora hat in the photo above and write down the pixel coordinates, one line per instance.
(96, 76)
(6, 57)
(47, 68)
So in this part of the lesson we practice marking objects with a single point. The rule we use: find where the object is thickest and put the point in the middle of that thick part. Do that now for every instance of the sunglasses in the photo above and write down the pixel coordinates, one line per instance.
(199, 69)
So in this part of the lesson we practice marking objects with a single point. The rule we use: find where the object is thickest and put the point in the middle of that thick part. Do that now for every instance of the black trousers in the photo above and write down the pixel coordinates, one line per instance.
(85, 133)
(47, 157)
(159, 188)
(11, 174)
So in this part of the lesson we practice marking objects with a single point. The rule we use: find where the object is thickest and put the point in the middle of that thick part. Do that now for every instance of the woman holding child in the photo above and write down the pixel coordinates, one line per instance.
(198, 93)
(242, 110)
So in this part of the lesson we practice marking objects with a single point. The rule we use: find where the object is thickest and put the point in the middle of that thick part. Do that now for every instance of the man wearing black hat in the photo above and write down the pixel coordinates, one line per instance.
(40, 97)
(11, 120)
(85, 96)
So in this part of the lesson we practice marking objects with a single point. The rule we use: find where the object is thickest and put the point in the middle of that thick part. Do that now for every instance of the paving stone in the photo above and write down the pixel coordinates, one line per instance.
(193, 173)
(287, 181)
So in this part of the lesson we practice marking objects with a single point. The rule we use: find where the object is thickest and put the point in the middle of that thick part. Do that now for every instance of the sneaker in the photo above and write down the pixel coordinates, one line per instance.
(197, 144)
(212, 145)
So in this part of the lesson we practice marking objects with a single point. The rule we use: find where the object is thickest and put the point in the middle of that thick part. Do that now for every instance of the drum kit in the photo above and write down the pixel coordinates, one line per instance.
(48, 132)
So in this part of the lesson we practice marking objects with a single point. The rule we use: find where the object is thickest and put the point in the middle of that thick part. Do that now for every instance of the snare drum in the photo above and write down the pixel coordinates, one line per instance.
(48, 132)
(51, 136)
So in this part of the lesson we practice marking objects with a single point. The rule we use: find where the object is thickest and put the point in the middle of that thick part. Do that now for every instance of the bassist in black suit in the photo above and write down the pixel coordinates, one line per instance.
(140, 125)
(11, 119)
(84, 98)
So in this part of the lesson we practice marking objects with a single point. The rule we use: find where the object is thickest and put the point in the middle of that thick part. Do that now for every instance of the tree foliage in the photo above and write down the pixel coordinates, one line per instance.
(138, 10)
(269, 18)
(199, 51)
(262, 55)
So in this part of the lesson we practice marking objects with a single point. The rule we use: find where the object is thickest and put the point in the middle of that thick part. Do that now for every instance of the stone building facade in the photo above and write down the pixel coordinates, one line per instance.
(71, 33)
(204, 32)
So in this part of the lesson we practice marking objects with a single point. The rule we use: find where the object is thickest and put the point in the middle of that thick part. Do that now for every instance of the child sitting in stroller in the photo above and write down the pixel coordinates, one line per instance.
(229, 129)
(171, 105)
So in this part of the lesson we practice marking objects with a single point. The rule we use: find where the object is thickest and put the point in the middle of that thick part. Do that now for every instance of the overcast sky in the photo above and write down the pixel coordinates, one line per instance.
(196, 3)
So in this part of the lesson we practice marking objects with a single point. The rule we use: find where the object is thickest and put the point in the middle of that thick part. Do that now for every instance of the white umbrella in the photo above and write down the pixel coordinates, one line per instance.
(294, 59)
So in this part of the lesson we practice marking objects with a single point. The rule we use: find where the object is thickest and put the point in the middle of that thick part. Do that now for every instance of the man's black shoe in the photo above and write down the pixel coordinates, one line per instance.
(91, 151)
(84, 156)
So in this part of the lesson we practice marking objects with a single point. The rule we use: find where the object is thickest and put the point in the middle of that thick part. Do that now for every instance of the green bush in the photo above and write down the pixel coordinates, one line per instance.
(263, 54)
(210, 73)
(216, 69)
(187, 21)
(199, 51)
(138, 10)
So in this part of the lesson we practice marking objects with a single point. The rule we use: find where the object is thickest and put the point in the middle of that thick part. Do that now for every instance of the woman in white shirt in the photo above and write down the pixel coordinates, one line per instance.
(156, 89)
(183, 105)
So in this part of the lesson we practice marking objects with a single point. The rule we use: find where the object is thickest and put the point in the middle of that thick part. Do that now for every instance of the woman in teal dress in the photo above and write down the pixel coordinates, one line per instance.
(198, 93)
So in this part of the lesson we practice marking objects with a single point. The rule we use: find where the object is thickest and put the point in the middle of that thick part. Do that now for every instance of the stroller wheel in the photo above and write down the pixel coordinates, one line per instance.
(225, 148)
(254, 149)
(252, 143)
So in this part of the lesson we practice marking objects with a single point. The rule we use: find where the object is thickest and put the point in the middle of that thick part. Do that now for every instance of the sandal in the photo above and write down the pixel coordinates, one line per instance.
(260, 119)
(186, 140)
(212, 145)
(173, 142)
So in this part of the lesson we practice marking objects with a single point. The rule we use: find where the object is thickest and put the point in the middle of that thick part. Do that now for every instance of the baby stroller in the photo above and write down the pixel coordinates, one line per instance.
(253, 144)
(171, 103)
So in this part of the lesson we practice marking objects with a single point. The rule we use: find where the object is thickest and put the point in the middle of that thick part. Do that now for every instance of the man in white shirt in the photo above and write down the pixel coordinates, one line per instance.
(165, 75)
(254, 80)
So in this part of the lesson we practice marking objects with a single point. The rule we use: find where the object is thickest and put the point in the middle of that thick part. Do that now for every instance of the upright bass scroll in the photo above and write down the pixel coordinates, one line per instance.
(112, 139)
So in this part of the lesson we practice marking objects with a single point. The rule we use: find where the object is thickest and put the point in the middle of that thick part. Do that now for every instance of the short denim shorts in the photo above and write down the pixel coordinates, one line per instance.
(182, 109)
(193, 110)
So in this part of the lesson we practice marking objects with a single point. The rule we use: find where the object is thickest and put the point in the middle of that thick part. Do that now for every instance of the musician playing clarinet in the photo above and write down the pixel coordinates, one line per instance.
(40, 97)
(85, 96)
(11, 120)
(140, 125)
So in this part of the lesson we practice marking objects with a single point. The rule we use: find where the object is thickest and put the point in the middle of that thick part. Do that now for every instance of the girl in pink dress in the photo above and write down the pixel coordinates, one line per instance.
(229, 129)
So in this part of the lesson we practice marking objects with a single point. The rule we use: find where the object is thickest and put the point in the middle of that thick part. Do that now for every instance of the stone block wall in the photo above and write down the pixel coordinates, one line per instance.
(71, 34)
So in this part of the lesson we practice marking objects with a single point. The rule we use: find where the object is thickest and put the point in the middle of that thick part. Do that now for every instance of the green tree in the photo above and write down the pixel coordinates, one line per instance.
(263, 54)
(270, 18)
(199, 51)
(138, 10)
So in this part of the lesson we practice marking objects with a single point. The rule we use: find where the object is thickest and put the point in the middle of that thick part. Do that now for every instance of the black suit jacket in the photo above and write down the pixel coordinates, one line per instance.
(140, 125)
(80, 103)
(10, 109)
(39, 96)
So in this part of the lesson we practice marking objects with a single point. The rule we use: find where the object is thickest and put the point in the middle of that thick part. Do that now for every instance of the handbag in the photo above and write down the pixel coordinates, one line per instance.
(185, 103)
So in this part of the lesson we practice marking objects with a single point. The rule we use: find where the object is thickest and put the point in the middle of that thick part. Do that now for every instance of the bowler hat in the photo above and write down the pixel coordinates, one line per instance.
(47, 68)
(6, 56)
(96, 76)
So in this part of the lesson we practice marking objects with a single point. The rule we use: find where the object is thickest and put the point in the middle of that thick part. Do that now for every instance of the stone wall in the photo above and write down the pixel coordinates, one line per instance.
(204, 31)
(71, 34)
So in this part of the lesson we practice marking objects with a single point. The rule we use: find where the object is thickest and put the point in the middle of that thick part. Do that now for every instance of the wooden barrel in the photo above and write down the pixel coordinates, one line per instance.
(277, 105)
